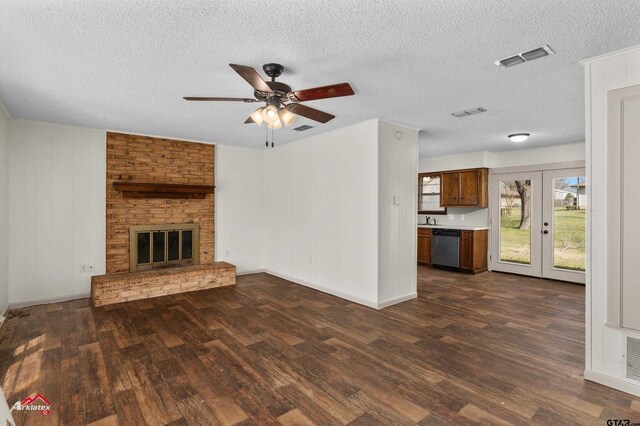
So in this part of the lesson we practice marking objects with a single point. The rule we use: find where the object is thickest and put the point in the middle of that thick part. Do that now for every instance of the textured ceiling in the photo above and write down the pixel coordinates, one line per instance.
(125, 65)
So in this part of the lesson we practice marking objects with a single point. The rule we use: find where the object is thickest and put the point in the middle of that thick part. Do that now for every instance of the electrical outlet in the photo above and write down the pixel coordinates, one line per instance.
(451, 217)
(83, 267)
(461, 217)
(228, 253)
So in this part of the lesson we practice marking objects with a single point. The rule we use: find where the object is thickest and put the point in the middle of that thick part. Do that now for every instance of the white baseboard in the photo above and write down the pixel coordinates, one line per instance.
(250, 272)
(48, 301)
(330, 291)
(613, 382)
(397, 300)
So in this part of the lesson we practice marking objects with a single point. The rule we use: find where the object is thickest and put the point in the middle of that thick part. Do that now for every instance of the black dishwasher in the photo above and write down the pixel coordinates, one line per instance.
(445, 248)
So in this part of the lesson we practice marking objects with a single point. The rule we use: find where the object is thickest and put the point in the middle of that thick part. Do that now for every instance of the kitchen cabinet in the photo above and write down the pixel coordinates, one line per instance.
(424, 245)
(473, 250)
(474, 246)
(465, 188)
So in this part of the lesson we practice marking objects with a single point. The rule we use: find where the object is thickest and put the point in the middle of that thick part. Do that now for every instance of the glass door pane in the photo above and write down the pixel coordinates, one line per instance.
(515, 221)
(187, 244)
(569, 223)
(158, 246)
(144, 247)
(173, 245)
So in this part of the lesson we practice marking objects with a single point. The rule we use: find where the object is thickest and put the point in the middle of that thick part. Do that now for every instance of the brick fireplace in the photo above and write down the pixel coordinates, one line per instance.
(160, 202)
(143, 159)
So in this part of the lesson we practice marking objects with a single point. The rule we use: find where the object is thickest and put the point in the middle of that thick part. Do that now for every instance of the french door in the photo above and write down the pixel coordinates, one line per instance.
(538, 224)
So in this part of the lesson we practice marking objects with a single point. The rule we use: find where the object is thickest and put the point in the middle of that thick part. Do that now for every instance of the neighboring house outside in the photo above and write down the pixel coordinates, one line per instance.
(580, 189)
(561, 197)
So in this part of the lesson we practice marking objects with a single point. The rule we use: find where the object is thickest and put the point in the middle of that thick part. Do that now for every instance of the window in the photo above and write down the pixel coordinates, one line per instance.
(429, 194)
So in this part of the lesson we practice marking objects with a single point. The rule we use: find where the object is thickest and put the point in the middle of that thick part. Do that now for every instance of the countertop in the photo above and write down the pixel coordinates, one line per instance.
(459, 227)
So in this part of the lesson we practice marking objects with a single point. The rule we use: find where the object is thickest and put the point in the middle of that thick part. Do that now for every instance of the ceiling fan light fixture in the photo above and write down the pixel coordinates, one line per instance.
(270, 114)
(287, 117)
(519, 137)
(275, 125)
(256, 116)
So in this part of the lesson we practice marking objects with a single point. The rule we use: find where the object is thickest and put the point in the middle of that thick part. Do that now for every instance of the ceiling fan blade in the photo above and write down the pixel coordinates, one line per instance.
(324, 92)
(249, 120)
(312, 113)
(199, 98)
(252, 77)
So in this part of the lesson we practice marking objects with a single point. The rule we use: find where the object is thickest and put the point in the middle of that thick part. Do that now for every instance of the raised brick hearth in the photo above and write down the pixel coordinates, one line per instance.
(124, 287)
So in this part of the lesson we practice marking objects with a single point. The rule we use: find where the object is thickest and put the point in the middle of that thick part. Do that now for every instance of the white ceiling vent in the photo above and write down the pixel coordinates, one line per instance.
(468, 112)
(633, 358)
(520, 58)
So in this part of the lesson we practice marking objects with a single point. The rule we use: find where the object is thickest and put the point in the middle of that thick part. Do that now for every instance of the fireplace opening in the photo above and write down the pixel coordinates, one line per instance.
(163, 246)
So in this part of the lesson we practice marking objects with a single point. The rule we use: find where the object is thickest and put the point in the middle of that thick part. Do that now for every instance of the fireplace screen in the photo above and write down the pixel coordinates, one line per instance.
(163, 246)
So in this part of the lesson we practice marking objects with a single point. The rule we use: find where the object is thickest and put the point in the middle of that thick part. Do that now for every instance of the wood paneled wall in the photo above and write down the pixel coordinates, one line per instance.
(133, 158)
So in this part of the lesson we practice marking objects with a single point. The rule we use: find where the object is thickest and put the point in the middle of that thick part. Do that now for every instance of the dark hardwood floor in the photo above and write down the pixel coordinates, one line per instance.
(491, 348)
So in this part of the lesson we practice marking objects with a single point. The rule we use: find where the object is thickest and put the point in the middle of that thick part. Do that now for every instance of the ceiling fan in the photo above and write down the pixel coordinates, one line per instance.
(282, 103)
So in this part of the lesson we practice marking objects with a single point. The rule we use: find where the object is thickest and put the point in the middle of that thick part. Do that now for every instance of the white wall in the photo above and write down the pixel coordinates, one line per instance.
(469, 160)
(4, 211)
(240, 207)
(536, 156)
(321, 211)
(307, 211)
(57, 188)
(604, 345)
(512, 158)
(330, 219)
(493, 160)
(397, 251)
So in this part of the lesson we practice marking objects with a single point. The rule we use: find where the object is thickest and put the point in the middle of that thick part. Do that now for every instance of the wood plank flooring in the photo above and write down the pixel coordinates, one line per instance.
(491, 348)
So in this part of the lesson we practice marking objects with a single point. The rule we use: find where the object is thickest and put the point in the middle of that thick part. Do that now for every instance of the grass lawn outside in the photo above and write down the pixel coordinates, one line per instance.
(569, 239)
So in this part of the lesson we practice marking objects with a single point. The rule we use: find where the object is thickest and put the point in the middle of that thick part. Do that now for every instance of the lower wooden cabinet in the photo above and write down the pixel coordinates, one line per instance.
(473, 250)
(424, 246)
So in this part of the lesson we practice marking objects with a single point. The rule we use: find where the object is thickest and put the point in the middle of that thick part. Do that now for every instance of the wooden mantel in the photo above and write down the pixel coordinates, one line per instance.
(162, 190)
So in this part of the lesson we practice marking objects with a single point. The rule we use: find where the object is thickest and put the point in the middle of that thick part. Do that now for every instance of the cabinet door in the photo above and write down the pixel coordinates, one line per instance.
(428, 249)
(424, 248)
(466, 250)
(450, 189)
(470, 188)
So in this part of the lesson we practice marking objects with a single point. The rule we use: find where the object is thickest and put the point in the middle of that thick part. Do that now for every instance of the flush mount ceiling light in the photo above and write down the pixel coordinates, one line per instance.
(521, 58)
(519, 137)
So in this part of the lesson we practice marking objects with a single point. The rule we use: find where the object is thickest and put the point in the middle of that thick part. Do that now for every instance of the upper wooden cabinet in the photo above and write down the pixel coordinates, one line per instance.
(465, 188)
